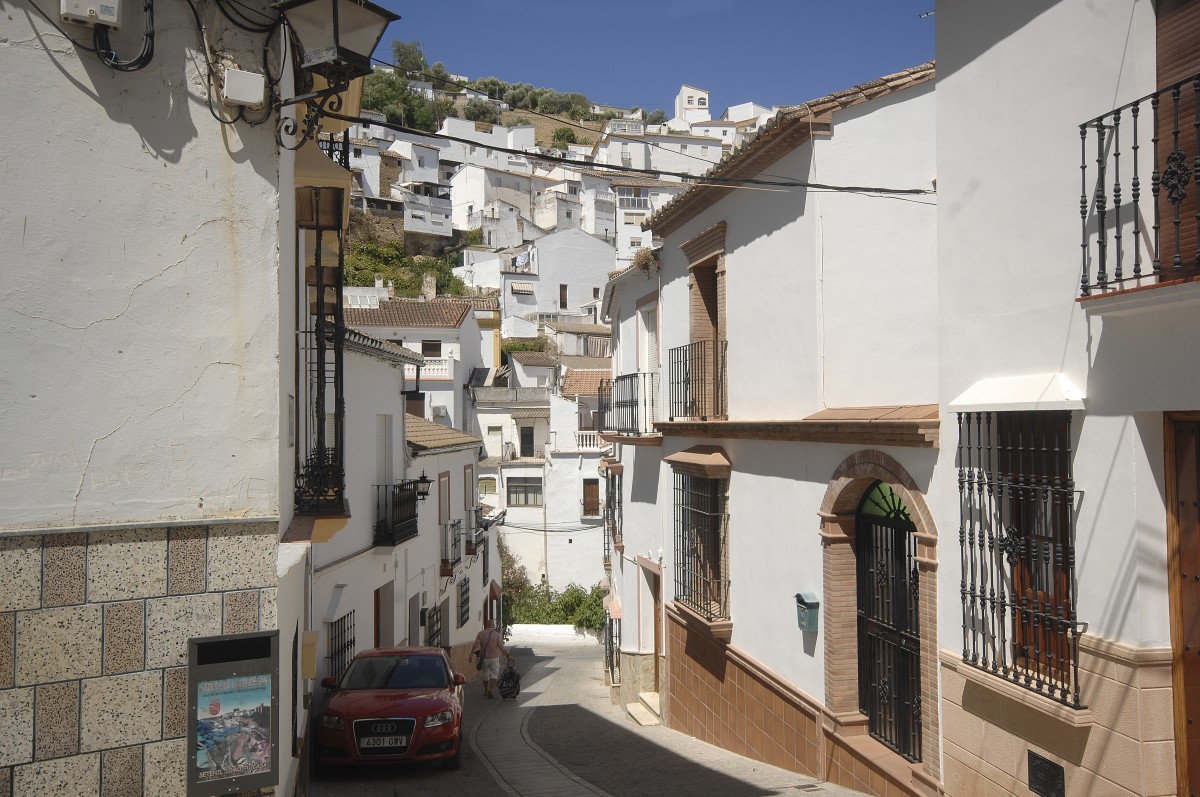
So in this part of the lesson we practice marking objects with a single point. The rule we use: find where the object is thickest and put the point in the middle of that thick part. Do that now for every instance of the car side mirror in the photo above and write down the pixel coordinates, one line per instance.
(329, 682)
(459, 679)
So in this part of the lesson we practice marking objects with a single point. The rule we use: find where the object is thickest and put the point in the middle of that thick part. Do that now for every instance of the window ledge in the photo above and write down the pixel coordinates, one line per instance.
(718, 629)
(1143, 298)
(1071, 717)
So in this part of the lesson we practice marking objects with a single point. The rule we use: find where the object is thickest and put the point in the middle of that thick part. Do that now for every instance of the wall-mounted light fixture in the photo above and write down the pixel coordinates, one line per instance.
(337, 38)
(422, 485)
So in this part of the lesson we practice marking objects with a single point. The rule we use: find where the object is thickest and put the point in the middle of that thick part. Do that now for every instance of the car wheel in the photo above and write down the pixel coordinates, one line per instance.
(454, 761)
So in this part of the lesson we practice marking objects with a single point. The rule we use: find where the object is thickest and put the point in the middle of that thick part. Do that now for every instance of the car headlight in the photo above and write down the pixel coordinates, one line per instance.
(440, 718)
(332, 721)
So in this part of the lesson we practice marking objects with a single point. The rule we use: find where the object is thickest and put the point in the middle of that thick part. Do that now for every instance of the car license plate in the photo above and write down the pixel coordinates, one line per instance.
(383, 741)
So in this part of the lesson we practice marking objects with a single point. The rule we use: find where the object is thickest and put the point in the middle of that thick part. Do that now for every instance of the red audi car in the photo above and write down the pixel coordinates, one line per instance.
(392, 704)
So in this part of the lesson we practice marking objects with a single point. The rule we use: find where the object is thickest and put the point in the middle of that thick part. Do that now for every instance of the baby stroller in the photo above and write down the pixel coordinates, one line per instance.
(509, 683)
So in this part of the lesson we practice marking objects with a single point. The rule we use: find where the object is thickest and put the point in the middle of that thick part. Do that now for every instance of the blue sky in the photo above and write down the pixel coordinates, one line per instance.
(638, 52)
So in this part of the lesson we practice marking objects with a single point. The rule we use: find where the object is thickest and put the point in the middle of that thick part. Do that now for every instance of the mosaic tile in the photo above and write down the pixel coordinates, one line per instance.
(8, 653)
(124, 637)
(186, 563)
(16, 727)
(175, 702)
(241, 612)
(121, 772)
(242, 556)
(120, 710)
(269, 610)
(74, 776)
(65, 564)
(170, 622)
(127, 564)
(21, 564)
(166, 769)
(58, 644)
(56, 720)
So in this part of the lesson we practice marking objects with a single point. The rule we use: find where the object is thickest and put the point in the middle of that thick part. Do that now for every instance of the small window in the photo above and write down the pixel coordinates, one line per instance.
(562, 297)
(524, 491)
(691, 100)
(703, 101)
(573, 190)
(568, 214)
(595, 293)
(683, 147)
(418, 216)
(431, 348)
(358, 152)
(366, 125)
(487, 485)
(495, 430)
(421, 161)
(635, 242)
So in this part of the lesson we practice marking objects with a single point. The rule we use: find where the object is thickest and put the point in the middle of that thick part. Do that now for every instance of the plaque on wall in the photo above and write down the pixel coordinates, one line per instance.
(1046, 777)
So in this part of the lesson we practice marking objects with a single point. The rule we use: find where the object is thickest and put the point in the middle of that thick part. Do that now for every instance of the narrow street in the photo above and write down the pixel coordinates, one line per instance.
(563, 737)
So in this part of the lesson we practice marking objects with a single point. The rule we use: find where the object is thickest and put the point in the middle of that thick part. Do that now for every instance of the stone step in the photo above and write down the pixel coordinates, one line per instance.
(641, 714)
(650, 699)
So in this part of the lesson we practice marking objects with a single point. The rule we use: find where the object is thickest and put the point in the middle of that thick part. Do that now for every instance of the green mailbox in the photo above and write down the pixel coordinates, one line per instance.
(808, 611)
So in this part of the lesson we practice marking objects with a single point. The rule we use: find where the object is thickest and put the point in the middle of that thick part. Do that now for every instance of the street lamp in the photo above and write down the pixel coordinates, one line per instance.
(337, 38)
(423, 485)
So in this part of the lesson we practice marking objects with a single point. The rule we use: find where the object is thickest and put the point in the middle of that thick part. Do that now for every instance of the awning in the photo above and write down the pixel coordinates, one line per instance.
(708, 462)
(529, 414)
(494, 591)
(614, 608)
(522, 288)
(1024, 392)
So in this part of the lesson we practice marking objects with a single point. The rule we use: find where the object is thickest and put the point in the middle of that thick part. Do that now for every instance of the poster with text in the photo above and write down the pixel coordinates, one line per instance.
(233, 727)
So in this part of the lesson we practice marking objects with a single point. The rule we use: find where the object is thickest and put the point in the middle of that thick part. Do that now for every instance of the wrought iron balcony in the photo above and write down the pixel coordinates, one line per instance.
(630, 403)
(512, 452)
(1130, 239)
(476, 539)
(395, 513)
(698, 381)
(451, 546)
(321, 483)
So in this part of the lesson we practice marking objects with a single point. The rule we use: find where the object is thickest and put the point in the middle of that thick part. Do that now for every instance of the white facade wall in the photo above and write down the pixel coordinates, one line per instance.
(691, 105)
(425, 214)
(364, 158)
(480, 268)
(421, 162)
(572, 258)
(690, 154)
(630, 235)
(1128, 380)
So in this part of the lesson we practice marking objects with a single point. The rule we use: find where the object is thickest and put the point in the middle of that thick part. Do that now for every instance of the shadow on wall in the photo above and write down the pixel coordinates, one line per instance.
(992, 23)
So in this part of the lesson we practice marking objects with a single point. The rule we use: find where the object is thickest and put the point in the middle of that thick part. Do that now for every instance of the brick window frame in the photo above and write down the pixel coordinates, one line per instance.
(850, 481)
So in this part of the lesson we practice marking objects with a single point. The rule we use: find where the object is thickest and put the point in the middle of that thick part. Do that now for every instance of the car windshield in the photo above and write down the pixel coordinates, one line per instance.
(397, 672)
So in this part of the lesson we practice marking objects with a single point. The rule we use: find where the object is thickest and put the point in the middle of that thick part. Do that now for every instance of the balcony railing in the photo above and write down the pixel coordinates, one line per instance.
(1130, 239)
(698, 380)
(451, 546)
(605, 196)
(395, 513)
(627, 127)
(630, 403)
(511, 394)
(434, 368)
(587, 441)
(476, 540)
(633, 202)
(514, 452)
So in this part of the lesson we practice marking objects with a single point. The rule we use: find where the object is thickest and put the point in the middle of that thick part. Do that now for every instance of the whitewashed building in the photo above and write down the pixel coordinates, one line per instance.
(768, 394)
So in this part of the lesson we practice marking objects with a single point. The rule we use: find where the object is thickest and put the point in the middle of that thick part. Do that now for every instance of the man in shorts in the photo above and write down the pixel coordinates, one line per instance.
(489, 644)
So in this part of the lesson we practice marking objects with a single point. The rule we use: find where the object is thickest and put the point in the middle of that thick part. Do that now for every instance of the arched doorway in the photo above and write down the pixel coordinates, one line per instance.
(889, 639)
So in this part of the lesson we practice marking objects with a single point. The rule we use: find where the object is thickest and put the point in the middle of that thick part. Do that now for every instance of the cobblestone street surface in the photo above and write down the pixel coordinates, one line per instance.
(563, 737)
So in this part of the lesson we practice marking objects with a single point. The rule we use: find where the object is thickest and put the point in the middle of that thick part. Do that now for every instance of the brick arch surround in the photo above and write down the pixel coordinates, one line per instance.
(850, 481)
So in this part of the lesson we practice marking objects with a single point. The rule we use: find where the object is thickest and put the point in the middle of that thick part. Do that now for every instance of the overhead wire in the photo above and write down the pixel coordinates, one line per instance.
(109, 57)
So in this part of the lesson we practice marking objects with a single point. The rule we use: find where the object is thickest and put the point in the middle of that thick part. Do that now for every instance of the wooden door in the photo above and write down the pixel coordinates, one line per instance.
(1183, 566)
(591, 497)
(1178, 58)
(526, 441)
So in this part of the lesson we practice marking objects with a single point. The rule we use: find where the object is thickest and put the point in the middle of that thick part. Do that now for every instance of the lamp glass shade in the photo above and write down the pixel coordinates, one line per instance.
(337, 36)
(423, 485)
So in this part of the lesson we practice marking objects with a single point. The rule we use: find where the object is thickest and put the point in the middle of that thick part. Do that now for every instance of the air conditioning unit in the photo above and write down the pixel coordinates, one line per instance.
(440, 411)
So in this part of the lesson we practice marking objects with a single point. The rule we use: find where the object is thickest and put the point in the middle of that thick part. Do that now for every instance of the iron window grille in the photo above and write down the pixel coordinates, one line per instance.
(612, 648)
(341, 644)
(433, 627)
(524, 491)
(486, 562)
(701, 546)
(395, 513)
(451, 544)
(464, 600)
(1017, 535)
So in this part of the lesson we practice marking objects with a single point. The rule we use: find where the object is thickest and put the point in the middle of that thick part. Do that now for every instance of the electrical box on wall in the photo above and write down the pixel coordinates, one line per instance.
(91, 12)
(245, 88)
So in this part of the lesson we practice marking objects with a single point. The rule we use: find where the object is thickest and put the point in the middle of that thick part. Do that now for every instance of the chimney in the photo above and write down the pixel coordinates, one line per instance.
(391, 285)
(429, 286)
(378, 282)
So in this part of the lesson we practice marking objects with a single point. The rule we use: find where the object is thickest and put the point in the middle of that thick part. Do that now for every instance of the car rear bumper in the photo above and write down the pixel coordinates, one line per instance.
(338, 747)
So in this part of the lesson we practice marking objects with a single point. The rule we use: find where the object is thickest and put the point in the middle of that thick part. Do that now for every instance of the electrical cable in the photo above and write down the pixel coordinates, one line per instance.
(691, 178)
(239, 20)
(140, 61)
(58, 28)
(208, 78)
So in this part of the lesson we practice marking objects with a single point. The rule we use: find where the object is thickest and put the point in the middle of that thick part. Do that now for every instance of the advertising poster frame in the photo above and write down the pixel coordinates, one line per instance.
(233, 713)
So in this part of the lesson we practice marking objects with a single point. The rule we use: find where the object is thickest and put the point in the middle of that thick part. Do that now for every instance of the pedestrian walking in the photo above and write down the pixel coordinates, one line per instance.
(489, 644)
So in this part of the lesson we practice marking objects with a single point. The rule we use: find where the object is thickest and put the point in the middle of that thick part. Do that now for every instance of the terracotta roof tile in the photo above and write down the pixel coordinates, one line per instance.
(578, 329)
(410, 313)
(533, 359)
(579, 382)
(423, 435)
(586, 363)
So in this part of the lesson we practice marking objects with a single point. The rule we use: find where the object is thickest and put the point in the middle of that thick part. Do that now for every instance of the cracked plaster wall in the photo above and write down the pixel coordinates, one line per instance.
(140, 302)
